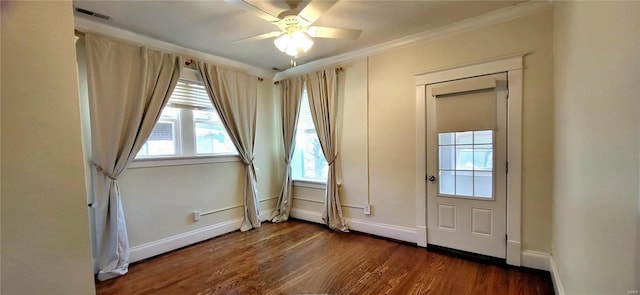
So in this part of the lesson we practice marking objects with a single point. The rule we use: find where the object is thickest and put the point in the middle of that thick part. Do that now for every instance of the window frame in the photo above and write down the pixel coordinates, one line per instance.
(306, 182)
(186, 152)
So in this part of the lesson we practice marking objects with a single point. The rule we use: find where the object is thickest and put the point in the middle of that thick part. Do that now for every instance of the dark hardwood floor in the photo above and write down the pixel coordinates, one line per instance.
(297, 257)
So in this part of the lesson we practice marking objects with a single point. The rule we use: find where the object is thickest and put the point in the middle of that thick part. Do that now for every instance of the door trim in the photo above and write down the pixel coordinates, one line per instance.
(513, 65)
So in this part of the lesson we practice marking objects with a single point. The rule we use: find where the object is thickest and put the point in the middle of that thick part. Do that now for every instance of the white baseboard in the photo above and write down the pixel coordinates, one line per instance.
(154, 248)
(165, 245)
(401, 233)
(555, 277)
(421, 235)
(308, 215)
(536, 260)
(514, 253)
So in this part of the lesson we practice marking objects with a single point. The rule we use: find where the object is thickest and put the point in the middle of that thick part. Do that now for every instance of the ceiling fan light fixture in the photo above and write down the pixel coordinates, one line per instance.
(282, 42)
(293, 43)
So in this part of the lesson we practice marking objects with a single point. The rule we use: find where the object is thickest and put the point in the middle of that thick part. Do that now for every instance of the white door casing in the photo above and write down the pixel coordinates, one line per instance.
(513, 66)
(466, 201)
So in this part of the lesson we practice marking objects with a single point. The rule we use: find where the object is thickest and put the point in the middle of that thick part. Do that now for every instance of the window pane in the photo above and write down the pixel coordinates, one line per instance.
(161, 142)
(308, 161)
(447, 157)
(483, 157)
(211, 136)
(464, 157)
(483, 184)
(447, 182)
(464, 183)
(480, 137)
(464, 137)
(445, 138)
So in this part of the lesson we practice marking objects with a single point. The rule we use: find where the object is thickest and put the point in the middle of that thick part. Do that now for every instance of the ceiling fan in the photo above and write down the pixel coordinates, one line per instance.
(296, 25)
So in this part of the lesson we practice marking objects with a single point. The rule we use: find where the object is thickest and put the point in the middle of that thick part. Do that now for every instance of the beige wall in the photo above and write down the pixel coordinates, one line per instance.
(391, 127)
(596, 146)
(158, 201)
(45, 231)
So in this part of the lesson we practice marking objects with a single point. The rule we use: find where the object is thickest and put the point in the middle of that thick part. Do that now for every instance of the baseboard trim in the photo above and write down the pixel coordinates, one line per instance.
(555, 277)
(395, 232)
(307, 215)
(161, 246)
(514, 253)
(178, 241)
(421, 235)
(536, 260)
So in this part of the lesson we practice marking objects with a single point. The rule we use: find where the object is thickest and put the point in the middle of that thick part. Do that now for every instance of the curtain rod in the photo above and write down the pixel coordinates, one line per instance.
(338, 70)
(187, 62)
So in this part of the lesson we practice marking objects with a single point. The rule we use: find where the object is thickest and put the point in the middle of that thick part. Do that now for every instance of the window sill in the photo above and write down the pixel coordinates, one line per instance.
(310, 184)
(182, 161)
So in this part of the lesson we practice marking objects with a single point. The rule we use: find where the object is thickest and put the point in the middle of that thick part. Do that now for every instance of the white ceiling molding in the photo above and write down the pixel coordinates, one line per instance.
(85, 25)
(499, 16)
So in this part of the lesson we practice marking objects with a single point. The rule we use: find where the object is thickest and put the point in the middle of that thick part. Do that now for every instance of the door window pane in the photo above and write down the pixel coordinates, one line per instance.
(483, 157)
(480, 137)
(446, 138)
(464, 137)
(465, 162)
(447, 157)
(464, 183)
(482, 184)
(447, 182)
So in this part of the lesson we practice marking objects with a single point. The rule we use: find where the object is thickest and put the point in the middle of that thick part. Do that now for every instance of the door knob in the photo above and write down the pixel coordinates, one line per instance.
(432, 178)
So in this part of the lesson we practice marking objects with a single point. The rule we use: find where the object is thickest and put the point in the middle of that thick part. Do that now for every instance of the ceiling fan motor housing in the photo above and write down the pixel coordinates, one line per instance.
(292, 23)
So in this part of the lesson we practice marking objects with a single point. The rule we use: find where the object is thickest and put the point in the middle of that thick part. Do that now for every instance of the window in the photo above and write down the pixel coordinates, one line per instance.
(308, 161)
(466, 163)
(188, 126)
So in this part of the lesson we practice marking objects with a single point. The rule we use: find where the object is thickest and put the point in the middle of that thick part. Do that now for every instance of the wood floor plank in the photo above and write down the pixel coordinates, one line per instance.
(297, 257)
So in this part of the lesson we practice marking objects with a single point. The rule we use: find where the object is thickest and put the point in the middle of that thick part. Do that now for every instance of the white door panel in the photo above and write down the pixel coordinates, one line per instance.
(466, 164)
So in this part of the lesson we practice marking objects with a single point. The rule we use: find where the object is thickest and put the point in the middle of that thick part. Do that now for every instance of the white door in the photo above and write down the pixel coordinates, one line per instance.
(466, 164)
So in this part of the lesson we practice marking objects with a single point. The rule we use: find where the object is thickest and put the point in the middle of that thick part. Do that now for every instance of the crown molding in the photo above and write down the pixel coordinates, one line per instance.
(89, 26)
(498, 16)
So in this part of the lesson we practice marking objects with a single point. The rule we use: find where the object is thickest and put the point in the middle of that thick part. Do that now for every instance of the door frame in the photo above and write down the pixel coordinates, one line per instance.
(513, 66)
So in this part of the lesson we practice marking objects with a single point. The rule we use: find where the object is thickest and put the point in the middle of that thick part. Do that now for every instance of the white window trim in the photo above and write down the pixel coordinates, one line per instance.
(513, 65)
(182, 161)
(185, 143)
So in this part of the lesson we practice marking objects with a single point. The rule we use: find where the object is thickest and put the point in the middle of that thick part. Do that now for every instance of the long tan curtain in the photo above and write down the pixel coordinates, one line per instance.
(235, 97)
(322, 88)
(291, 94)
(128, 87)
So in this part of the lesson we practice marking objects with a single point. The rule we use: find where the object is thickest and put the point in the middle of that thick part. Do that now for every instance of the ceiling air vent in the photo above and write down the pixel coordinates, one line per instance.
(91, 13)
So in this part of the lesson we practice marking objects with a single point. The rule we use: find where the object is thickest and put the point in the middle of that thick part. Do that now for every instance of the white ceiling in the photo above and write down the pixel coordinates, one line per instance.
(213, 26)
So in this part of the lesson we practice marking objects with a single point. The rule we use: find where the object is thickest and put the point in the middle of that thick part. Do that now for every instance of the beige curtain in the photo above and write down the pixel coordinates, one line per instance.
(322, 88)
(291, 94)
(234, 95)
(128, 87)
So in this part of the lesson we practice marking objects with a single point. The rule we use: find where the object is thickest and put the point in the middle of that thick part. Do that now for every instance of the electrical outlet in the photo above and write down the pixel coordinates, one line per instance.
(367, 209)
(196, 216)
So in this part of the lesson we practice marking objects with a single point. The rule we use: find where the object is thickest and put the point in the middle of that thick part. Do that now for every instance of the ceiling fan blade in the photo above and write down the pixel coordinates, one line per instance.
(336, 33)
(262, 36)
(315, 9)
(246, 5)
